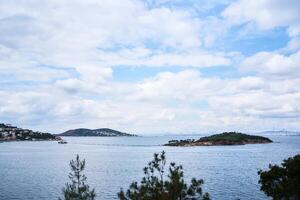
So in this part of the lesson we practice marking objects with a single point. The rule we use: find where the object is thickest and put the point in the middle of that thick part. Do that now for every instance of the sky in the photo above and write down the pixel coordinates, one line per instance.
(150, 67)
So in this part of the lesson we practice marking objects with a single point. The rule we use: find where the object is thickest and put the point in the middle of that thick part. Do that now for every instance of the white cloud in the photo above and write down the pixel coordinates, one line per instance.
(267, 63)
(35, 35)
(70, 57)
(183, 86)
(267, 14)
(60, 25)
(292, 46)
(145, 57)
(169, 102)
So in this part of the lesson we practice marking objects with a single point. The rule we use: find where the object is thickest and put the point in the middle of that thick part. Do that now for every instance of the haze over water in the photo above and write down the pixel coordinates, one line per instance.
(38, 170)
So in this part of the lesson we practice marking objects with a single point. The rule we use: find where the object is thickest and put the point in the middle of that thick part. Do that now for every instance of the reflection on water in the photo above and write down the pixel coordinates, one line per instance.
(38, 170)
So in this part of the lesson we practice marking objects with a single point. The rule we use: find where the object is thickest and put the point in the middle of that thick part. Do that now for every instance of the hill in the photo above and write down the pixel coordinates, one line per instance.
(226, 138)
(11, 133)
(101, 132)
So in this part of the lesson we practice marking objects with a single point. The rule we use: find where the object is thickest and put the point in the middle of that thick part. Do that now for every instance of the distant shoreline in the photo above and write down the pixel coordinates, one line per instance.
(100, 132)
(99, 136)
(3, 141)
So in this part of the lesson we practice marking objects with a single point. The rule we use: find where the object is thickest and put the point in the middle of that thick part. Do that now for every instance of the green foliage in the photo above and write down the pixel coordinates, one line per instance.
(154, 187)
(77, 189)
(282, 182)
(233, 136)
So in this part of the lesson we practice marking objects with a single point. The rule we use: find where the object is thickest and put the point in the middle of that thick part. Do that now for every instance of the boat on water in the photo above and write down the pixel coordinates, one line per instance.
(62, 142)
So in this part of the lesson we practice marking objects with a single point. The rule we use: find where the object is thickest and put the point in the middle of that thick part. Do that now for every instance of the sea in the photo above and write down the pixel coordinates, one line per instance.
(38, 170)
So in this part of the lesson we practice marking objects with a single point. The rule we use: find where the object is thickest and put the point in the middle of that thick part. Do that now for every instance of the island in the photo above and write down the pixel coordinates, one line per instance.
(226, 138)
(9, 132)
(101, 132)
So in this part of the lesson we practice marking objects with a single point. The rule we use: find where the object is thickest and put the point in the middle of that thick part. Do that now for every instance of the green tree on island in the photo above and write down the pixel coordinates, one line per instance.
(154, 187)
(77, 189)
(282, 182)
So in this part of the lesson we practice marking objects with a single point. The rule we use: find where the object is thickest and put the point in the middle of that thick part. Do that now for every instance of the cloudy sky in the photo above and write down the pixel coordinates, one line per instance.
(150, 67)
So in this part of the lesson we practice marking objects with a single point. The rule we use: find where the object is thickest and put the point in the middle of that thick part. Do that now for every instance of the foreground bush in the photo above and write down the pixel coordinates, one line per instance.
(282, 182)
(77, 189)
(154, 187)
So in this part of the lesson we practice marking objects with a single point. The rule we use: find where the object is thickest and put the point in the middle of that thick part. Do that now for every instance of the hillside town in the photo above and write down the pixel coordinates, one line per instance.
(9, 132)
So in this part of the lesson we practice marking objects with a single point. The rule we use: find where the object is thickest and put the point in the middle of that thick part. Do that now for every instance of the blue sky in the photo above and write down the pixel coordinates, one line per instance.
(150, 67)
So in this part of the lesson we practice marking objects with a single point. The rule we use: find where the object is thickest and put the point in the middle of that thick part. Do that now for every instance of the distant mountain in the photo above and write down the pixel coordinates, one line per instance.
(280, 132)
(11, 133)
(101, 132)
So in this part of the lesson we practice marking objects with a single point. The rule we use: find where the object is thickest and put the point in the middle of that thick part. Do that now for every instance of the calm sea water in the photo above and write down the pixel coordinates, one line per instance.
(38, 170)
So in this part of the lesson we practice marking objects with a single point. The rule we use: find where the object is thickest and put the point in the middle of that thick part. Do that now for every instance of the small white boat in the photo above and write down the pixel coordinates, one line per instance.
(62, 142)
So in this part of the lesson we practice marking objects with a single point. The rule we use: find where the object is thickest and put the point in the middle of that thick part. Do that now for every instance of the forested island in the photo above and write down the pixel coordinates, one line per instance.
(101, 132)
(226, 138)
(9, 132)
